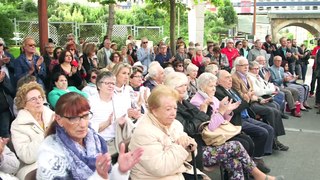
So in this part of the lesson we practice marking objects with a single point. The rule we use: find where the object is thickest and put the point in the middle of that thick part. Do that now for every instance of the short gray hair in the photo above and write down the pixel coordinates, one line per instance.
(205, 78)
(238, 59)
(252, 64)
(153, 69)
(175, 79)
(192, 67)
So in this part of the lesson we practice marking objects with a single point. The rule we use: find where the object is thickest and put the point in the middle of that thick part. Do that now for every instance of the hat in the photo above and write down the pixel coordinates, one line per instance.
(230, 41)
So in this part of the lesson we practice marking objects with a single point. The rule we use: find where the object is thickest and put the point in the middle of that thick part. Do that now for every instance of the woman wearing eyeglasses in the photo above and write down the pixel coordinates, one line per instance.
(91, 87)
(61, 88)
(73, 150)
(28, 129)
(139, 94)
(30, 63)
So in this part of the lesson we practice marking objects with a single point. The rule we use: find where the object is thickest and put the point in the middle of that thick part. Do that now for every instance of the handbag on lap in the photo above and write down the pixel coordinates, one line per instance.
(220, 135)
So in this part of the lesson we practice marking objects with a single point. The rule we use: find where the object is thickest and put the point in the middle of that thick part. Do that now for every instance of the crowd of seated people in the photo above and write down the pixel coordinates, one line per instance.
(69, 112)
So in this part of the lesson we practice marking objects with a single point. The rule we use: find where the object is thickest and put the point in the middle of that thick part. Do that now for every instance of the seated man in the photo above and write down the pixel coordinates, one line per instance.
(261, 133)
(269, 111)
(265, 89)
(277, 78)
(155, 75)
(265, 74)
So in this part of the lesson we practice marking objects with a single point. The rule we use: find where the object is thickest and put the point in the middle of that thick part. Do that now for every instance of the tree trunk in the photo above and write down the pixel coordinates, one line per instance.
(110, 20)
(172, 27)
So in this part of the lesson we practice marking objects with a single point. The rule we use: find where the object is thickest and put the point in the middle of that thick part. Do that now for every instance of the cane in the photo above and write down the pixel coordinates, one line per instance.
(194, 163)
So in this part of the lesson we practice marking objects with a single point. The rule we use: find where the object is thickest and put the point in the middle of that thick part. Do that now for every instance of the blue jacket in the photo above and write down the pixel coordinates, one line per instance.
(277, 75)
(22, 66)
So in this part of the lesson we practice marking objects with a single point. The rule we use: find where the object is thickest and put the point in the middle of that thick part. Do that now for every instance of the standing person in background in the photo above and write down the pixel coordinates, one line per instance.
(304, 61)
(295, 57)
(231, 52)
(244, 51)
(7, 64)
(164, 57)
(145, 55)
(181, 53)
(238, 46)
(132, 52)
(299, 55)
(49, 55)
(30, 63)
(256, 51)
(317, 70)
(270, 48)
(88, 57)
(72, 40)
(314, 67)
(286, 54)
(220, 59)
(126, 58)
(56, 53)
(104, 54)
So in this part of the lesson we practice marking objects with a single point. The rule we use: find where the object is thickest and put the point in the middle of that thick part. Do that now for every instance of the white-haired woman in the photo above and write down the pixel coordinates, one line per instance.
(192, 73)
(231, 155)
(155, 75)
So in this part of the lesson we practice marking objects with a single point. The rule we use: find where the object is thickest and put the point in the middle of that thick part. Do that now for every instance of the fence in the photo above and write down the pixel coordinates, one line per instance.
(92, 32)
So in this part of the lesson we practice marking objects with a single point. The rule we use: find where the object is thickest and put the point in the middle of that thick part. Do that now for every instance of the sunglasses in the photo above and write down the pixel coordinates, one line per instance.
(145, 42)
(1, 44)
(93, 77)
(31, 45)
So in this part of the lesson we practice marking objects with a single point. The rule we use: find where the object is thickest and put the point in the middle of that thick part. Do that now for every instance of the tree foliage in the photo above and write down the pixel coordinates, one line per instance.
(6, 30)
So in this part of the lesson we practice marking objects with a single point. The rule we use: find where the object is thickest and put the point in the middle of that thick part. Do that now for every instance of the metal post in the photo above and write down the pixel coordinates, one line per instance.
(254, 18)
(43, 24)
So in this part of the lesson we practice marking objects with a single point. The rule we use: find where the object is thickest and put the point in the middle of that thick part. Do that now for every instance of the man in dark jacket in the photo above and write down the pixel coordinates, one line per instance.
(258, 131)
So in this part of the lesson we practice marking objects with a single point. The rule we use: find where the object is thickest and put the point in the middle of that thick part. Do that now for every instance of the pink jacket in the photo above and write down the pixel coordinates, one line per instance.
(216, 118)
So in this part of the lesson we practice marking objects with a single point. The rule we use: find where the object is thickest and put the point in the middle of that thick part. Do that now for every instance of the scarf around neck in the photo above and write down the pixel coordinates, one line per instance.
(82, 159)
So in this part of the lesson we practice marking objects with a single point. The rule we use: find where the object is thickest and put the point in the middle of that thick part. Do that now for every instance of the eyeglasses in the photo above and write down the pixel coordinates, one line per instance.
(93, 77)
(1, 44)
(240, 44)
(35, 99)
(145, 42)
(180, 65)
(255, 68)
(116, 56)
(108, 83)
(76, 119)
(72, 49)
(31, 45)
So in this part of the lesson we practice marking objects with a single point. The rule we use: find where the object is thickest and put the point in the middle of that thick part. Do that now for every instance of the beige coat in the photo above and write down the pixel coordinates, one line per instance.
(27, 135)
(162, 158)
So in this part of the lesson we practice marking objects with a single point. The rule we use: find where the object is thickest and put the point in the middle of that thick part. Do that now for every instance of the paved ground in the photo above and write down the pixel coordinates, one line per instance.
(301, 162)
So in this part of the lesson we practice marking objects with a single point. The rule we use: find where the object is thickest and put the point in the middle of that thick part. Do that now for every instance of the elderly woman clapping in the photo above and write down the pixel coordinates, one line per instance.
(231, 155)
(166, 146)
(73, 150)
(221, 111)
(28, 129)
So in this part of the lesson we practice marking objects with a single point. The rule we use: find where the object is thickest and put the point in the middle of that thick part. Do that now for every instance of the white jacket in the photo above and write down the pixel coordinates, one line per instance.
(27, 135)
(260, 86)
